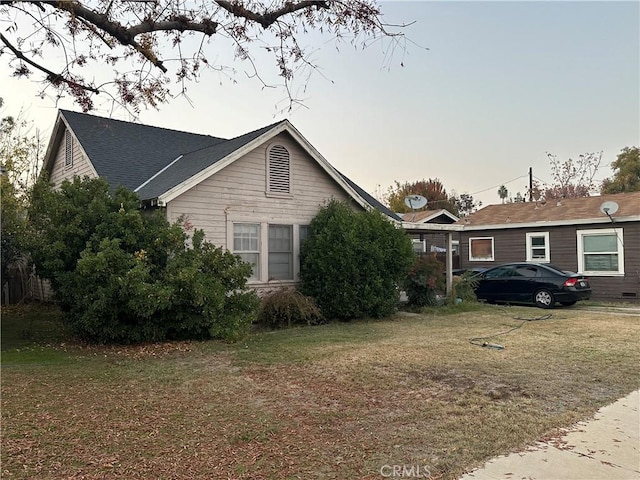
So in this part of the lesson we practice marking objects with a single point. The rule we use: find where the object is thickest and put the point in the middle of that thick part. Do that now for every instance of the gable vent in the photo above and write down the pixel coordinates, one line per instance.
(279, 170)
(68, 149)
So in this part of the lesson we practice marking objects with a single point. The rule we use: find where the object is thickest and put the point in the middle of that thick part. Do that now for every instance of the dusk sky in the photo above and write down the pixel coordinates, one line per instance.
(486, 90)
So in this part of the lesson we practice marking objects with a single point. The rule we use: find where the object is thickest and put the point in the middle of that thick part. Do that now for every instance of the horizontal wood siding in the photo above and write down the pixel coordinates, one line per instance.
(510, 246)
(81, 166)
(238, 192)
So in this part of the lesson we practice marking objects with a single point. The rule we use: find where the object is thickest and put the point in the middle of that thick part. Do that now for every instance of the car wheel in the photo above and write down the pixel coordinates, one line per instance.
(544, 299)
(568, 304)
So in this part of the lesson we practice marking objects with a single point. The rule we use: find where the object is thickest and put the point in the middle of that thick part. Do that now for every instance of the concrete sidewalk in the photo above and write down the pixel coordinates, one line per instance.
(604, 448)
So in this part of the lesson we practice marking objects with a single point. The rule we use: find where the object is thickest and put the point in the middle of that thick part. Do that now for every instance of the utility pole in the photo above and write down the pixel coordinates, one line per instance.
(530, 184)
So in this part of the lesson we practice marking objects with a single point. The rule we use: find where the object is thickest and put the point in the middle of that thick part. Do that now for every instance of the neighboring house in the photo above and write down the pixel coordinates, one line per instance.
(254, 195)
(425, 241)
(574, 234)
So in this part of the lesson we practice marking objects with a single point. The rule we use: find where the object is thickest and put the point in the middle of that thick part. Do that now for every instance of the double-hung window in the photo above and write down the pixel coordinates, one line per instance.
(246, 244)
(280, 252)
(538, 247)
(601, 252)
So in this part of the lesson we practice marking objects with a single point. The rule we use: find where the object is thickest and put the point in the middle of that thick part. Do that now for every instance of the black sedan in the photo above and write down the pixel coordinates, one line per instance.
(539, 284)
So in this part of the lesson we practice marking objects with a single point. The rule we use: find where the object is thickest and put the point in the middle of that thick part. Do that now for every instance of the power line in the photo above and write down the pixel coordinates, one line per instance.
(499, 185)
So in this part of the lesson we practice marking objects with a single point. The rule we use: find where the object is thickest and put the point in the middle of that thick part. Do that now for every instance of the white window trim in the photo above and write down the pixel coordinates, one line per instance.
(259, 274)
(618, 232)
(478, 259)
(547, 254)
(422, 243)
(290, 253)
(263, 263)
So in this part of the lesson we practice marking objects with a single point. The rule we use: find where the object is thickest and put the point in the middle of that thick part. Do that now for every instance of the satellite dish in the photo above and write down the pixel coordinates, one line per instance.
(415, 201)
(609, 208)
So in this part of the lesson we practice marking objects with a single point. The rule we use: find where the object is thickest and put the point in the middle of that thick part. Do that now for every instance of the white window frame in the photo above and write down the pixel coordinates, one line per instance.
(547, 254)
(256, 273)
(290, 255)
(481, 259)
(421, 243)
(618, 232)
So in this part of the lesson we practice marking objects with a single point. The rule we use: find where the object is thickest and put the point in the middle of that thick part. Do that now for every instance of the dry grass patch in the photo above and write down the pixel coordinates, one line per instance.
(334, 401)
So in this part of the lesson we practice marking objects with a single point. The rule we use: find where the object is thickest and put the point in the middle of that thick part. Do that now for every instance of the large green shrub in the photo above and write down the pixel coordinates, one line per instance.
(287, 307)
(124, 275)
(353, 263)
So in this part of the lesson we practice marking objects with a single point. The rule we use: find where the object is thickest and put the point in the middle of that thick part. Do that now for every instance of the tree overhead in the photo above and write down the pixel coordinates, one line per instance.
(146, 42)
(571, 178)
(435, 193)
(503, 193)
(626, 176)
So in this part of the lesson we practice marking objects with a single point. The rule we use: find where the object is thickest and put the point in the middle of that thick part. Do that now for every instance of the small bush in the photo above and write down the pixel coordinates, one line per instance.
(286, 307)
(425, 282)
(464, 287)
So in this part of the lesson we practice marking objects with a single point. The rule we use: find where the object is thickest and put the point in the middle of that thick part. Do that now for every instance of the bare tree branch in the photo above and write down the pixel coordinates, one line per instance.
(268, 18)
(89, 33)
(51, 76)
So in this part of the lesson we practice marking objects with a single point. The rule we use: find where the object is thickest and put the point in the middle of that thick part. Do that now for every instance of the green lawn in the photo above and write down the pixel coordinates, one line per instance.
(337, 401)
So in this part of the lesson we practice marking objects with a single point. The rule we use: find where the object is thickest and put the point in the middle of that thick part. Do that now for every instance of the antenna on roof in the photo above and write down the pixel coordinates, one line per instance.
(609, 208)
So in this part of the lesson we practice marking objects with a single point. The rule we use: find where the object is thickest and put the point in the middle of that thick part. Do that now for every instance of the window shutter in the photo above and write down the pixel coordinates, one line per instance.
(279, 170)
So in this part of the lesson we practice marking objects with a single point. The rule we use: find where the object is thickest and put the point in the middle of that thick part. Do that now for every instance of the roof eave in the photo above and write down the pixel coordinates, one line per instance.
(552, 223)
(174, 192)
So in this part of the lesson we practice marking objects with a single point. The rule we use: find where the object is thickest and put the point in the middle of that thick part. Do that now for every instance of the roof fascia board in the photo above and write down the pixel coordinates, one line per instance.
(201, 176)
(553, 223)
(327, 167)
(265, 137)
(437, 213)
(56, 141)
(435, 227)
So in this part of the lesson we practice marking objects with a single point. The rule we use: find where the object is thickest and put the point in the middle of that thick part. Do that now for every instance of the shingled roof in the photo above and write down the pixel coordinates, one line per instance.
(566, 211)
(158, 162)
(125, 153)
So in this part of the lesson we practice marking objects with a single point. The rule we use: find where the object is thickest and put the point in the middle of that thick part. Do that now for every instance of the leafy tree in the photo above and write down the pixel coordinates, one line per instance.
(571, 178)
(626, 176)
(433, 190)
(146, 40)
(517, 199)
(20, 159)
(503, 193)
(353, 263)
(435, 193)
(465, 204)
(123, 275)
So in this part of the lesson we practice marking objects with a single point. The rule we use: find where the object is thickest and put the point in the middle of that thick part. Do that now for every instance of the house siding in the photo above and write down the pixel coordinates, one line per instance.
(238, 194)
(510, 246)
(81, 166)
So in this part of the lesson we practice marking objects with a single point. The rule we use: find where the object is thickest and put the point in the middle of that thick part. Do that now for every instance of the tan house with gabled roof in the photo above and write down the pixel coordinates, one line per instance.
(253, 195)
(575, 234)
